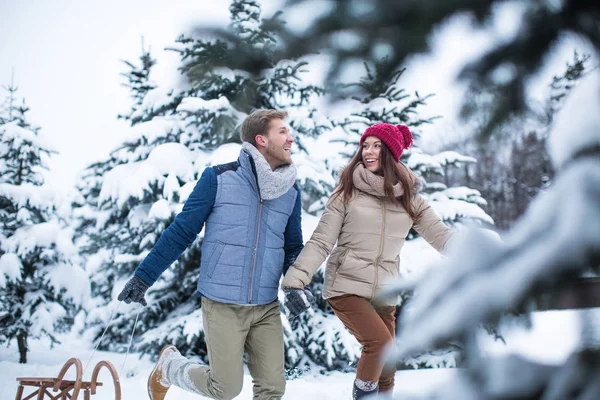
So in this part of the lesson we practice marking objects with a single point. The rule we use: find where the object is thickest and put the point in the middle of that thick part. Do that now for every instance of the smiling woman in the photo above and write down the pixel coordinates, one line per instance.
(371, 149)
(380, 149)
(367, 219)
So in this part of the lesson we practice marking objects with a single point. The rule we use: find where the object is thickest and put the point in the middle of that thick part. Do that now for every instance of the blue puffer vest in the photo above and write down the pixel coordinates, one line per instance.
(243, 247)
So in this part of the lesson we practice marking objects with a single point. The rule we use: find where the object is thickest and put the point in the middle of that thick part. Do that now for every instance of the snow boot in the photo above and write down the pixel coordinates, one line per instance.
(364, 389)
(157, 385)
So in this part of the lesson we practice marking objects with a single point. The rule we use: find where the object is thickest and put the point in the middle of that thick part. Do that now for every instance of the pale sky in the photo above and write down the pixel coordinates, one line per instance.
(66, 56)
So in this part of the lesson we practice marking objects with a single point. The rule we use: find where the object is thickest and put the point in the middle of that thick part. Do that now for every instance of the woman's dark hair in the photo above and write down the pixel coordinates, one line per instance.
(392, 172)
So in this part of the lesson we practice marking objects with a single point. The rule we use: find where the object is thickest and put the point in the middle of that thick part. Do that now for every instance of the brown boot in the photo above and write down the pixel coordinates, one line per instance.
(156, 384)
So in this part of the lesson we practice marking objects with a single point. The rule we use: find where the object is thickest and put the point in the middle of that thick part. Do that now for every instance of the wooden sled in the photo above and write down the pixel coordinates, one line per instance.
(67, 389)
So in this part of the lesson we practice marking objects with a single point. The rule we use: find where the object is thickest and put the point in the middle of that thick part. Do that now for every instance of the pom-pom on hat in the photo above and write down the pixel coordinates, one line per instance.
(397, 137)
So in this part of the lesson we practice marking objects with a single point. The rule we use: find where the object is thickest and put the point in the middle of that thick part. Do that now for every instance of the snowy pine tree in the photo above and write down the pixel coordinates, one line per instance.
(138, 81)
(125, 201)
(41, 287)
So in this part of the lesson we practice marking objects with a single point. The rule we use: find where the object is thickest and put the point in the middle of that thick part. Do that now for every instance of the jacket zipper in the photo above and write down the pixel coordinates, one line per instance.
(255, 249)
(260, 201)
(380, 248)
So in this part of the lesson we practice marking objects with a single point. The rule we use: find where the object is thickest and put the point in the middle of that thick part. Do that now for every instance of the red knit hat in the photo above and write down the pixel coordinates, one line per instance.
(397, 137)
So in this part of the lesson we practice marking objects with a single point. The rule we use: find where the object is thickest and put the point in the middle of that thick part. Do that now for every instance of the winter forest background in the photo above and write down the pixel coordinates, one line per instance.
(67, 250)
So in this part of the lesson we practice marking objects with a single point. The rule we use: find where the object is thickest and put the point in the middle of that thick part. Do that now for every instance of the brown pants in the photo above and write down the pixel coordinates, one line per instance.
(374, 328)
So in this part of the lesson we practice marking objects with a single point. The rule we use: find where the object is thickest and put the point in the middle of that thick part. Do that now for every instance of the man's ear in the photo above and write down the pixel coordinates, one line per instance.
(261, 140)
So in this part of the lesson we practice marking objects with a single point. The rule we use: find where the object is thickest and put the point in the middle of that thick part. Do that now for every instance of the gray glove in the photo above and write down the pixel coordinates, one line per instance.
(134, 291)
(297, 301)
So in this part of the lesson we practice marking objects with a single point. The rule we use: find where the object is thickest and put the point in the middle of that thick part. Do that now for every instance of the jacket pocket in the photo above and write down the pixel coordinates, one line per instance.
(341, 259)
(213, 258)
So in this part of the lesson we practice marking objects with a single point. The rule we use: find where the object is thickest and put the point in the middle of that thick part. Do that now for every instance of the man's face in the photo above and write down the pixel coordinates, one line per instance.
(277, 144)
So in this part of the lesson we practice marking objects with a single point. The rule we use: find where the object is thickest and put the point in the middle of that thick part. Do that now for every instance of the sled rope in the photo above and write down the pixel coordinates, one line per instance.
(112, 315)
(130, 341)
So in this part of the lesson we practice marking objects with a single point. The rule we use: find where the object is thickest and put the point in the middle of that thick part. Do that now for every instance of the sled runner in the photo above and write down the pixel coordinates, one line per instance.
(66, 389)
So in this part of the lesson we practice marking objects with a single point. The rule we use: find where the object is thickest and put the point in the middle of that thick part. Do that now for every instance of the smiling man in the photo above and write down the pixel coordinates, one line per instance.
(252, 211)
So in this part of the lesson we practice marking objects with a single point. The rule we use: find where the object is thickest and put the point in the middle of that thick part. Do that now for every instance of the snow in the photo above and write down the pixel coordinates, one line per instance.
(13, 132)
(172, 158)
(576, 126)
(72, 279)
(225, 73)
(452, 157)
(44, 316)
(418, 161)
(155, 99)
(548, 241)
(171, 186)
(27, 193)
(416, 258)
(138, 215)
(453, 210)
(224, 154)
(466, 194)
(10, 268)
(128, 258)
(132, 179)
(160, 210)
(194, 104)
(186, 190)
(23, 216)
(379, 106)
(47, 234)
(552, 337)
(134, 375)
(155, 128)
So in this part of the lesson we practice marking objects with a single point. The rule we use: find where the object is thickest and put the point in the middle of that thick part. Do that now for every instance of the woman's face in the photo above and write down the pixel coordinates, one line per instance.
(371, 150)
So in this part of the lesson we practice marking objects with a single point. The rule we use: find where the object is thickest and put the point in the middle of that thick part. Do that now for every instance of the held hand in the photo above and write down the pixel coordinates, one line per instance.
(297, 301)
(134, 291)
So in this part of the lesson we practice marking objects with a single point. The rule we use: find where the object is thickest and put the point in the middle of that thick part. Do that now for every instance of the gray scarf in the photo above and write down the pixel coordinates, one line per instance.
(371, 183)
(272, 184)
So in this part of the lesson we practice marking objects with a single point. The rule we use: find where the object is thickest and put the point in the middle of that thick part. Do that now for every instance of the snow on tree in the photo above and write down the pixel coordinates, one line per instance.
(41, 286)
(138, 80)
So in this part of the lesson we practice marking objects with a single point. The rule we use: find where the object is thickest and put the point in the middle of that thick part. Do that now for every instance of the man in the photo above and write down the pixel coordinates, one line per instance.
(252, 211)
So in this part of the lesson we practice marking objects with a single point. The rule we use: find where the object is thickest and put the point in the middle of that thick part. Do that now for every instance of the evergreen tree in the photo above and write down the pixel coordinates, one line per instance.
(40, 286)
(138, 81)
(514, 164)
(384, 26)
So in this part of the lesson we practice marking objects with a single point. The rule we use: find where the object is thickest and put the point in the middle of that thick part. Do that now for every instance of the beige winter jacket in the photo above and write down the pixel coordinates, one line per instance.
(370, 232)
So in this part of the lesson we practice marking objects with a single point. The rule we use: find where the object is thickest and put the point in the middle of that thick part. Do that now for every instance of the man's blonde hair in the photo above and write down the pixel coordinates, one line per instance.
(258, 123)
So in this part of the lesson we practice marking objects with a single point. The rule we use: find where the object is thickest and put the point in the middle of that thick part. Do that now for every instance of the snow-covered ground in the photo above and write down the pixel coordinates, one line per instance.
(552, 337)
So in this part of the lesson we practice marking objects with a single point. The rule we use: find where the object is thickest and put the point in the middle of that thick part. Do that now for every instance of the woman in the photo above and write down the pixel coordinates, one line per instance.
(369, 216)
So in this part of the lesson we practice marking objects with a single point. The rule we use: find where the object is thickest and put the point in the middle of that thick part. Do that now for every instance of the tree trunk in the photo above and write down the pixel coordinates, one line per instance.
(22, 341)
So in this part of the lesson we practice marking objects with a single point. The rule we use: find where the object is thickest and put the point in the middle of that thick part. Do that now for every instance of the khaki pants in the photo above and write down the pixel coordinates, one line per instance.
(374, 328)
(230, 330)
